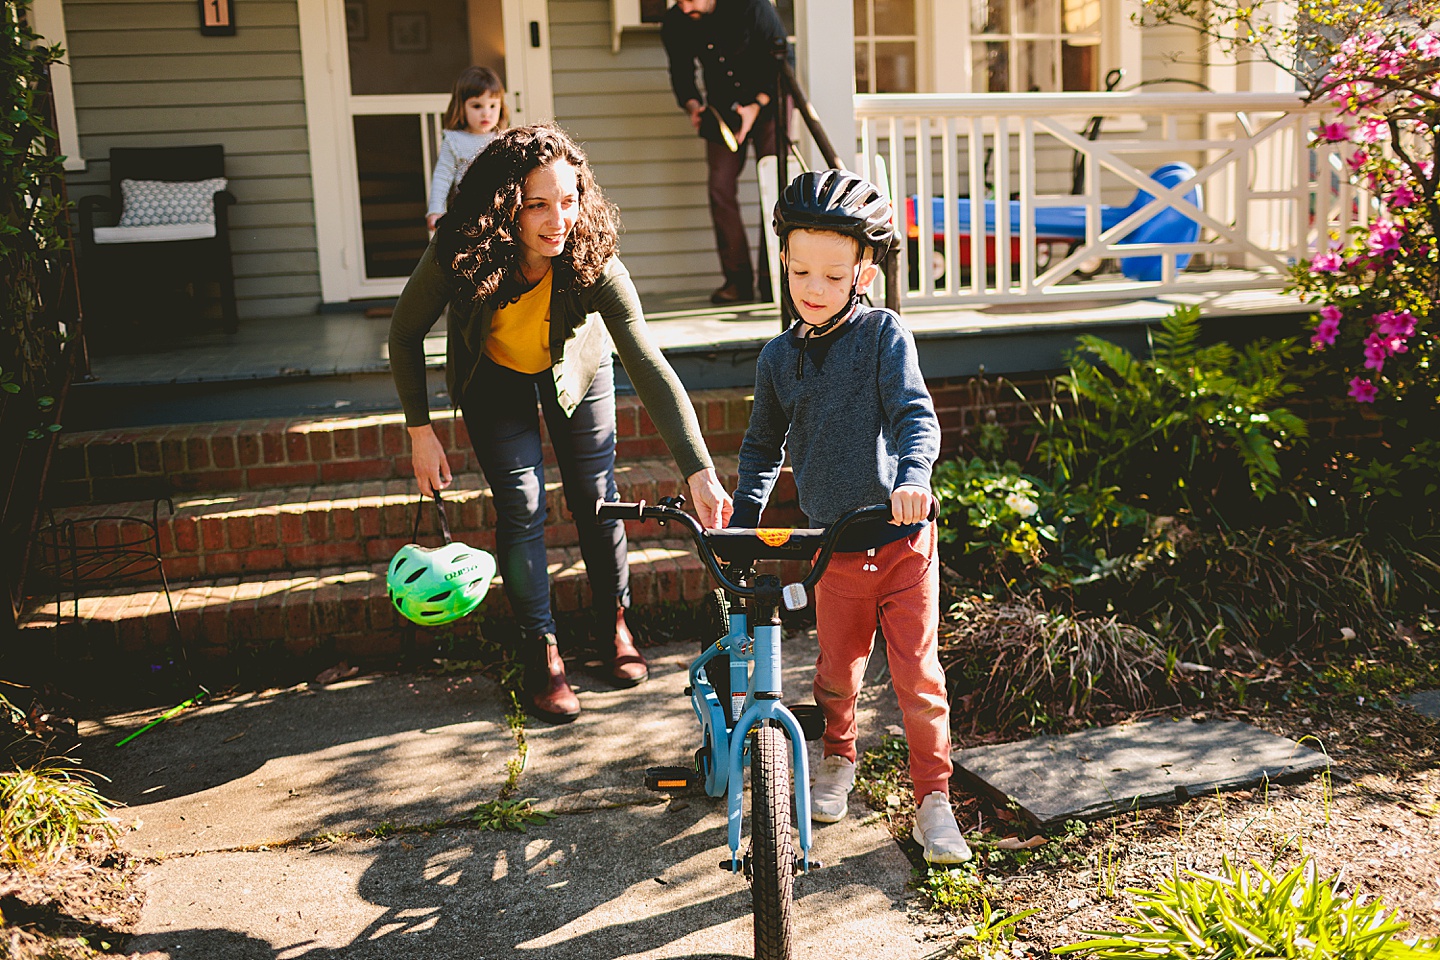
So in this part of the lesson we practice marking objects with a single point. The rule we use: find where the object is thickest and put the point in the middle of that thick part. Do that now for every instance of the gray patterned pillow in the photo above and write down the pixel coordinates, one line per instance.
(150, 202)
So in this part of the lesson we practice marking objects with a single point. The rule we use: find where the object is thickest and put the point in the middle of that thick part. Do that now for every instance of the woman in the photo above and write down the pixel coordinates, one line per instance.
(525, 259)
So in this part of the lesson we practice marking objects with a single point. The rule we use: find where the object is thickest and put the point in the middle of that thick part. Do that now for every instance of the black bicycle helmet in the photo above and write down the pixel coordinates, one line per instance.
(840, 201)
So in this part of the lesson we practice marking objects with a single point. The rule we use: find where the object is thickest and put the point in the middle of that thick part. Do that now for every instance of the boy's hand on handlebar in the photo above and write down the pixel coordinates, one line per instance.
(427, 457)
(712, 503)
(909, 505)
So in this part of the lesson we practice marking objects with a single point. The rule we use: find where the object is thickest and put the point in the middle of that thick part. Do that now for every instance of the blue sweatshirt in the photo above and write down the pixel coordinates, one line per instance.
(858, 424)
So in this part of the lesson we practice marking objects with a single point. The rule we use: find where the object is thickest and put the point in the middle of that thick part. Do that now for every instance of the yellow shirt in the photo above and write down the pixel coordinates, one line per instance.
(520, 331)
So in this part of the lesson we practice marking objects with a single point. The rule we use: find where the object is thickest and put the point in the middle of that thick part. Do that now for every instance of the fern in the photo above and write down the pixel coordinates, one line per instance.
(1177, 429)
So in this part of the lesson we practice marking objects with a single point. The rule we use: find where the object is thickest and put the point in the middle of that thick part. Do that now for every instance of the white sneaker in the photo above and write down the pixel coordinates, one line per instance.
(833, 781)
(937, 831)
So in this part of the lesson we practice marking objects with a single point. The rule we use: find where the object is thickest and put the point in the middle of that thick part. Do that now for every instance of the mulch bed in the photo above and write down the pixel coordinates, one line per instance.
(1375, 821)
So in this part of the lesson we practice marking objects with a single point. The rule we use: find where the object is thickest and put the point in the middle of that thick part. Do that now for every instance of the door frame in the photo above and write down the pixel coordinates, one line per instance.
(325, 69)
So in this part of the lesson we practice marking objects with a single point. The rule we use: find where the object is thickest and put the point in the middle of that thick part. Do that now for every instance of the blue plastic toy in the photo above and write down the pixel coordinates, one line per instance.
(1068, 223)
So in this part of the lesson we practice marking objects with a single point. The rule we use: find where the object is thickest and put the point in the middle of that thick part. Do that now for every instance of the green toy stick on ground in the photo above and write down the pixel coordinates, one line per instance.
(173, 711)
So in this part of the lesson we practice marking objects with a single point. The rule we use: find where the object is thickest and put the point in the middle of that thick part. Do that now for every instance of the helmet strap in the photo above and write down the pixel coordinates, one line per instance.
(440, 511)
(824, 328)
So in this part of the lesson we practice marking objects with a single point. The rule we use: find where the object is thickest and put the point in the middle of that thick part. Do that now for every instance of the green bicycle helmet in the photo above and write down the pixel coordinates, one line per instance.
(437, 585)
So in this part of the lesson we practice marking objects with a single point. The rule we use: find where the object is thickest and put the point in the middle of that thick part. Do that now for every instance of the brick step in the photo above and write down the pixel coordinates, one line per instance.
(113, 466)
(298, 528)
(332, 610)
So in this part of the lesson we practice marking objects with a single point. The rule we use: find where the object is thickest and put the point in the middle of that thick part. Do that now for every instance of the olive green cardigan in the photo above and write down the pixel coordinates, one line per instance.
(585, 325)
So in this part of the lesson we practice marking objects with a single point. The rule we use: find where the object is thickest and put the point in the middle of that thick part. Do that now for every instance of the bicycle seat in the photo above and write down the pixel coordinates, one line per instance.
(744, 545)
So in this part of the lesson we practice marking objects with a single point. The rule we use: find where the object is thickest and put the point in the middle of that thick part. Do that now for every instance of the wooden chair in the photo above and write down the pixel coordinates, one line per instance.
(170, 209)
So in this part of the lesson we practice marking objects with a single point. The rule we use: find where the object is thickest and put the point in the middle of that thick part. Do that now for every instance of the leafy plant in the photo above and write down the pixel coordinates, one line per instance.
(883, 772)
(513, 815)
(955, 890)
(1239, 914)
(1177, 431)
(47, 808)
(33, 227)
(1025, 667)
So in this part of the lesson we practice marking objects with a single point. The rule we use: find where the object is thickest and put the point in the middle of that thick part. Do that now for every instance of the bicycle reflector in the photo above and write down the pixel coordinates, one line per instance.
(438, 585)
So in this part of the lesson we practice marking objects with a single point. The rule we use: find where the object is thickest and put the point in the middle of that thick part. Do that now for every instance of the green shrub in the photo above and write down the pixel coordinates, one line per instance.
(1190, 429)
(45, 809)
(1237, 914)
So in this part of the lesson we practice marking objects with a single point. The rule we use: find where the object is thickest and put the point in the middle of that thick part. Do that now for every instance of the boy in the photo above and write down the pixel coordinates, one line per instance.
(842, 390)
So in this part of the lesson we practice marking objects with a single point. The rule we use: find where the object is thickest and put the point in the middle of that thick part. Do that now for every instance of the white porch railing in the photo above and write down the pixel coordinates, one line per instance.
(1266, 193)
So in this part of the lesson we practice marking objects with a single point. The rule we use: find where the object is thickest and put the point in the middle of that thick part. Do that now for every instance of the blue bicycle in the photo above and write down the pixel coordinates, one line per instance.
(753, 726)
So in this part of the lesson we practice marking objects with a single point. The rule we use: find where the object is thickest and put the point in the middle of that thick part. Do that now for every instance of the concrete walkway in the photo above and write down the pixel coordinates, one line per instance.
(620, 872)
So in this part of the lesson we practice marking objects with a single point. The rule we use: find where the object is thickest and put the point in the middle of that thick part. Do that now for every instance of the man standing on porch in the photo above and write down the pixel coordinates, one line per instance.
(734, 41)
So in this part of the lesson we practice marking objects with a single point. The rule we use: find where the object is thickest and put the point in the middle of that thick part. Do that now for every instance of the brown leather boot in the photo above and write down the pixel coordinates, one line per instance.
(550, 695)
(627, 666)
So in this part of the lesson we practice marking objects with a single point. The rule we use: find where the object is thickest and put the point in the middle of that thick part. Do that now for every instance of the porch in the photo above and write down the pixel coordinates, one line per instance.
(336, 363)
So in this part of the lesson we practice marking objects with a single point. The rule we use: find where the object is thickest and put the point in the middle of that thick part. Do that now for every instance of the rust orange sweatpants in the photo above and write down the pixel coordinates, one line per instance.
(897, 588)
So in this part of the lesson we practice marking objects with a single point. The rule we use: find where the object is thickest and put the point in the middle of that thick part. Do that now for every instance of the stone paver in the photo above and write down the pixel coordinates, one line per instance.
(1097, 773)
(1426, 702)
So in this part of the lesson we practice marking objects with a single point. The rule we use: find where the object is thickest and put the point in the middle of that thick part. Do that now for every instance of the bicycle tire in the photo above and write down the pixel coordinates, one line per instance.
(772, 849)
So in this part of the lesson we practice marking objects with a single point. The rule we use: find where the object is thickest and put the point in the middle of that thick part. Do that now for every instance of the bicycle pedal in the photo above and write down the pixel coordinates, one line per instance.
(667, 779)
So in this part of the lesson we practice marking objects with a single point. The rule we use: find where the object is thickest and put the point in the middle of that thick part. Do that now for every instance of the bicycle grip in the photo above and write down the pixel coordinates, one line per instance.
(614, 510)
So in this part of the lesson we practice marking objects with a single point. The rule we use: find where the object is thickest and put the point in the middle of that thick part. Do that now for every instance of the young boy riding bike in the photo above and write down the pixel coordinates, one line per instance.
(842, 391)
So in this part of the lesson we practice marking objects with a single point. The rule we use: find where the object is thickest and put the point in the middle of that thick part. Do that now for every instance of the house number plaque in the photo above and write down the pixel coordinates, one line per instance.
(217, 18)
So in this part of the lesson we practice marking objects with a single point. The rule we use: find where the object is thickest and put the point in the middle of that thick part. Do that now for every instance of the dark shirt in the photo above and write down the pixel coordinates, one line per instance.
(735, 46)
(857, 426)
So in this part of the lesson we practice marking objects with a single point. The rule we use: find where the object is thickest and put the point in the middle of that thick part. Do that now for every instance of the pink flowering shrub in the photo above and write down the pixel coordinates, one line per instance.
(1377, 285)
(1377, 63)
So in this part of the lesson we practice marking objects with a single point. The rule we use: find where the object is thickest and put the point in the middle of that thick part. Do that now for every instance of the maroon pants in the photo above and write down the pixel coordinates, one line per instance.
(898, 588)
(724, 184)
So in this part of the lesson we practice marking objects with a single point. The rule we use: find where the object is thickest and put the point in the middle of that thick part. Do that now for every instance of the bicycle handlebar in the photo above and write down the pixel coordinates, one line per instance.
(828, 537)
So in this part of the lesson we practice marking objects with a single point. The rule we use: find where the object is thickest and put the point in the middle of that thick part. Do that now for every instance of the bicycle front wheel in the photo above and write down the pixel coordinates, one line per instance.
(772, 852)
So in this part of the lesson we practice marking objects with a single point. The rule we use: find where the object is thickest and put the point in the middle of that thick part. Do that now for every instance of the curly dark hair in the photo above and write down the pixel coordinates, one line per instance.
(477, 240)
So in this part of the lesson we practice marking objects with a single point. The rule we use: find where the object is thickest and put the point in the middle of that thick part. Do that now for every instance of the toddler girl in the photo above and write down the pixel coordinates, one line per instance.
(476, 113)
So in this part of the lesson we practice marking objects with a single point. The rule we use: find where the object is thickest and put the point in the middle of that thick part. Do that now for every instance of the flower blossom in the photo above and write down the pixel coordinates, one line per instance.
(1395, 323)
(1327, 262)
(1384, 237)
(1325, 331)
(1021, 504)
(1362, 390)
(1334, 132)
(1373, 130)
(1426, 45)
(1377, 350)
(1401, 196)
(1357, 160)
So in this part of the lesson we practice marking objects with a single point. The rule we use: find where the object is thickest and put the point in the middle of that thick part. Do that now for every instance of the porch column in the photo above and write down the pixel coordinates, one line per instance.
(825, 54)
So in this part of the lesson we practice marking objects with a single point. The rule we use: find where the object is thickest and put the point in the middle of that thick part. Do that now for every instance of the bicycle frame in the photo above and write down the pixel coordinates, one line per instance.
(754, 652)
(728, 780)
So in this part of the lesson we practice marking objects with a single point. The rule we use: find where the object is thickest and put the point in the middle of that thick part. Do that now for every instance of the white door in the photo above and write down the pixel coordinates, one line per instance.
(378, 75)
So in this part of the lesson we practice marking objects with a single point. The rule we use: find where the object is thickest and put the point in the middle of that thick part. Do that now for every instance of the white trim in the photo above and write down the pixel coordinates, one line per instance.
(329, 107)
(325, 68)
(823, 26)
(48, 19)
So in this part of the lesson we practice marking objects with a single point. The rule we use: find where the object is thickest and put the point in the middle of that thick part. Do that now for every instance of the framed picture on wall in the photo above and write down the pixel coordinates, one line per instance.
(410, 32)
(357, 26)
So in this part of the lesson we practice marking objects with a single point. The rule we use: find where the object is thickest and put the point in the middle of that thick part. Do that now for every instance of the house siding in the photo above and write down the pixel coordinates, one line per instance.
(645, 154)
(144, 76)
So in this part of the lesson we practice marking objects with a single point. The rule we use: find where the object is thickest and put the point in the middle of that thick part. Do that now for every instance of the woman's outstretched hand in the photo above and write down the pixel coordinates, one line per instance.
(427, 456)
(712, 503)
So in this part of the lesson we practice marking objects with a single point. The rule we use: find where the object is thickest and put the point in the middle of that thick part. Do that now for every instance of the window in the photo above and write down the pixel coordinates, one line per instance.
(1034, 46)
(887, 47)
